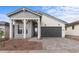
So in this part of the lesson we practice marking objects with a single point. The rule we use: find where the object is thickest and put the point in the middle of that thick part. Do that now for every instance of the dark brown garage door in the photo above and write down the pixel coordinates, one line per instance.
(51, 31)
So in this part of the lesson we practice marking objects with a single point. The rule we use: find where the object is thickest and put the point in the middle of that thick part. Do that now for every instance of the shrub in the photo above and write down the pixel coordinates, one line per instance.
(2, 44)
(1, 33)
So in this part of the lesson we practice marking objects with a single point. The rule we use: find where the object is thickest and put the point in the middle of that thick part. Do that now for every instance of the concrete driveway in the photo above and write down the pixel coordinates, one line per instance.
(59, 45)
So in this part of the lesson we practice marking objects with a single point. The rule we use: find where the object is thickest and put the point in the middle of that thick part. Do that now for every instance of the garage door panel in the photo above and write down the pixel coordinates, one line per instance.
(51, 31)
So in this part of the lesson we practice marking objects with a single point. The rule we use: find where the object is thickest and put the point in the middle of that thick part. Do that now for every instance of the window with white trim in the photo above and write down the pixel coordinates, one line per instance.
(20, 29)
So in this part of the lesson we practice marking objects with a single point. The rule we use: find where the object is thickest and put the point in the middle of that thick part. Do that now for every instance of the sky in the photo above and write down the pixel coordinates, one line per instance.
(65, 13)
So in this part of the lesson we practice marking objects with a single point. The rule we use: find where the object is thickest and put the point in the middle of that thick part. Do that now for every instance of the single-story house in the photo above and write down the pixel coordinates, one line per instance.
(72, 29)
(26, 23)
(4, 29)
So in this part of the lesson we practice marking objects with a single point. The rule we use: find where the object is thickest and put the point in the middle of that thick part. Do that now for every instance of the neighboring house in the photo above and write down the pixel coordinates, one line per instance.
(72, 29)
(4, 29)
(26, 23)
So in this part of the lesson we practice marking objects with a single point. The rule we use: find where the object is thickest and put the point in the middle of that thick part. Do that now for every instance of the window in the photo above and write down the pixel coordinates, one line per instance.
(26, 31)
(19, 29)
(65, 28)
(73, 27)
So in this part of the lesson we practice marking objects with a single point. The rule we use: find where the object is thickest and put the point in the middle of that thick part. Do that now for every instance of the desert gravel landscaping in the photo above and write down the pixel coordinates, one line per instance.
(11, 45)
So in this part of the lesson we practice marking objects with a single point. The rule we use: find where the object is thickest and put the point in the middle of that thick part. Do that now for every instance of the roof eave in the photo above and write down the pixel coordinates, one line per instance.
(24, 9)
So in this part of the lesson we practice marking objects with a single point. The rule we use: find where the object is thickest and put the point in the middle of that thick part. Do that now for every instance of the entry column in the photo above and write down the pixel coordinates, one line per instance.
(11, 28)
(39, 29)
(24, 22)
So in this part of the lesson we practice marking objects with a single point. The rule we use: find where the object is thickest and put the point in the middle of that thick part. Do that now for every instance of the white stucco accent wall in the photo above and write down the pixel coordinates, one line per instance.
(51, 22)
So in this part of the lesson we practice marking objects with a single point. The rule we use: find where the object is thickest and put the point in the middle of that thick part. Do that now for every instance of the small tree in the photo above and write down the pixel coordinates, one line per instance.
(1, 33)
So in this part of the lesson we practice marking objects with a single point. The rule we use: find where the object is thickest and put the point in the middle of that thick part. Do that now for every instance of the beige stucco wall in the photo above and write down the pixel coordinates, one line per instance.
(51, 22)
(74, 32)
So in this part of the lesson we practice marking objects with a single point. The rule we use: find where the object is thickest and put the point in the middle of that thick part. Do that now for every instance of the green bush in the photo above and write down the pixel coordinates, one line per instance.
(2, 44)
(1, 33)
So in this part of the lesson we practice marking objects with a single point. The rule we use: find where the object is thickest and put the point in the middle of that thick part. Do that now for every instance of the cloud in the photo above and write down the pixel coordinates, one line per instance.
(68, 14)
(70, 18)
(3, 17)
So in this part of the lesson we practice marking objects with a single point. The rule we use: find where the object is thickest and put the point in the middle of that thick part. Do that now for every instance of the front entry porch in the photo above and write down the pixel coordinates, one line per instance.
(25, 28)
